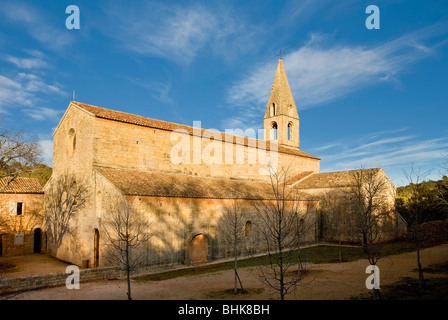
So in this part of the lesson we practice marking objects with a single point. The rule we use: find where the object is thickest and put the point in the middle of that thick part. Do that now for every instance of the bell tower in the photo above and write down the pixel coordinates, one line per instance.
(281, 120)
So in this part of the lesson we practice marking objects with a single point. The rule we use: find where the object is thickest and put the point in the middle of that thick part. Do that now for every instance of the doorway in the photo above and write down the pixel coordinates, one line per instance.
(96, 249)
(199, 248)
(37, 240)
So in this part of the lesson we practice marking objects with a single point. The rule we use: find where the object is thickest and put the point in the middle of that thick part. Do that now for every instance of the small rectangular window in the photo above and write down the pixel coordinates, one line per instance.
(18, 239)
(19, 208)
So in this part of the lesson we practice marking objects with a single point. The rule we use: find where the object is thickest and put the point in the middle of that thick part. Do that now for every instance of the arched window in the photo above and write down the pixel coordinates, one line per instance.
(289, 131)
(301, 223)
(272, 110)
(72, 141)
(96, 248)
(274, 131)
(247, 228)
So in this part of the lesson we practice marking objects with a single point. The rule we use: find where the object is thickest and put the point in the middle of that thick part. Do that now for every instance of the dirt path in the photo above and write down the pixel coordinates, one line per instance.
(31, 265)
(329, 281)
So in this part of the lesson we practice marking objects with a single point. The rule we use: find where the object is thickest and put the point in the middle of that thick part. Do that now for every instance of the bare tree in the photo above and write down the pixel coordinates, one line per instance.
(64, 198)
(334, 213)
(442, 192)
(233, 232)
(281, 227)
(371, 213)
(414, 208)
(18, 153)
(127, 231)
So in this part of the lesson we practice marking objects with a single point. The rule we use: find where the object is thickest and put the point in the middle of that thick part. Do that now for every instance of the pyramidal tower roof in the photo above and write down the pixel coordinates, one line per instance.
(281, 94)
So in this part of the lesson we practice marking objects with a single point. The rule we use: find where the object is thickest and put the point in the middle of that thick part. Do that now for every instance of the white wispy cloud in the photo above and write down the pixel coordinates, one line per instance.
(326, 147)
(46, 146)
(12, 93)
(27, 63)
(43, 113)
(319, 74)
(159, 90)
(36, 23)
(25, 89)
(388, 150)
(24, 84)
(178, 32)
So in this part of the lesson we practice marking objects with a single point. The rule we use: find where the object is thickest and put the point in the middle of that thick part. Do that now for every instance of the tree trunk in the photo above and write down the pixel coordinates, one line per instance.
(421, 279)
(376, 294)
(128, 271)
(282, 280)
(236, 268)
(299, 262)
(340, 251)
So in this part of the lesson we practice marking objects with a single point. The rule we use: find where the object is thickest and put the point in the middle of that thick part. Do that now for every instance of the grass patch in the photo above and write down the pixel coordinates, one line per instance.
(433, 269)
(6, 267)
(319, 254)
(316, 255)
(229, 293)
(407, 289)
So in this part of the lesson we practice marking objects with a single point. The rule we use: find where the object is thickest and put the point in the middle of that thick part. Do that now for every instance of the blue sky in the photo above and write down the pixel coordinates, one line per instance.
(377, 98)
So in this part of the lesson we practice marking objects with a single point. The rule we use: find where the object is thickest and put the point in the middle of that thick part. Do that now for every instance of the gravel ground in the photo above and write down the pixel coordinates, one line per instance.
(323, 282)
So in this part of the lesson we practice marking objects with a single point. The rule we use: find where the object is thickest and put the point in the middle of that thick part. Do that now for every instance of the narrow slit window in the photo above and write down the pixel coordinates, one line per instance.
(19, 208)
(274, 131)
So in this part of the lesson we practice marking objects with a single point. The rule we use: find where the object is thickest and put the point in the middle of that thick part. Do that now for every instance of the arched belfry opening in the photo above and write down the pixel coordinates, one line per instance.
(274, 131)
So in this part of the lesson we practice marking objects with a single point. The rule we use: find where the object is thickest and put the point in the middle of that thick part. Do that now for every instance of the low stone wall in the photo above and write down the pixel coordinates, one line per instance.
(58, 279)
(54, 280)
(432, 231)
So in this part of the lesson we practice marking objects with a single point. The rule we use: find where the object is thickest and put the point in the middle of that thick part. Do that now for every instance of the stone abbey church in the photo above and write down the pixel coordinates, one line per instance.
(118, 155)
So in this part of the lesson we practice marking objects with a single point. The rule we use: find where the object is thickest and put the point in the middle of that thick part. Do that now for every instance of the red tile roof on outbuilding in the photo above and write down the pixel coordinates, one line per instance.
(20, 185)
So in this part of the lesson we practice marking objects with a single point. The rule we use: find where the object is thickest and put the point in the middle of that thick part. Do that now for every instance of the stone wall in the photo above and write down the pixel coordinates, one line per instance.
(26, 223)
(175, 222)
(431, 232)
(54, 280)
(123, 145)
(337, 224)
(73, 154)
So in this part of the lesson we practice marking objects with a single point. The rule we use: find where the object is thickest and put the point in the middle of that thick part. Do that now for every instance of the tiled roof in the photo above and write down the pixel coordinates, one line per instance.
(164, 125)
(329, 179)
(184, 186)
(299, 177)
(20, 185)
